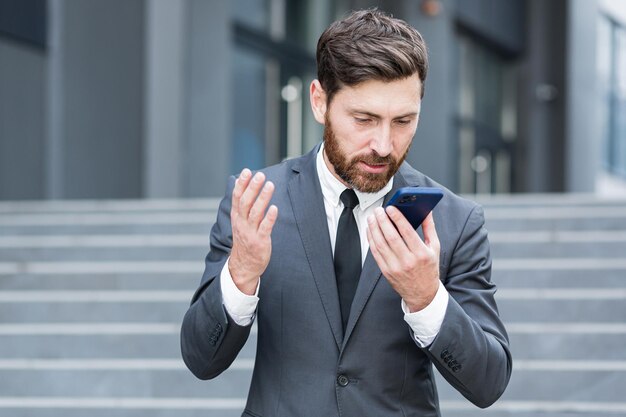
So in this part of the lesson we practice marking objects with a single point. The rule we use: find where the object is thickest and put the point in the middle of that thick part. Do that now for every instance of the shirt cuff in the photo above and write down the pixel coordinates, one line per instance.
(241, 307)
(426, 323)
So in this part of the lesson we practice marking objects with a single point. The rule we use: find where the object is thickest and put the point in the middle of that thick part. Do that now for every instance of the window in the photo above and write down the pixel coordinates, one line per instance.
(487, 122)
(25, 21)
(250, 74)
(612, 88)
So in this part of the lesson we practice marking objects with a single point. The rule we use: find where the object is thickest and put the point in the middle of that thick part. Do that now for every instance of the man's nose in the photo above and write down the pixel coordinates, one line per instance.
(381, 142)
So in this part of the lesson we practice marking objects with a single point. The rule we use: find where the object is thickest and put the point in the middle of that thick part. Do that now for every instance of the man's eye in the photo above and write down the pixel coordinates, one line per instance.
(361, 120)
(403, 122)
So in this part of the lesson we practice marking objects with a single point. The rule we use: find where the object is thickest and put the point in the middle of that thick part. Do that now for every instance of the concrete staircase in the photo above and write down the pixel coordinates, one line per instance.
(92, 295)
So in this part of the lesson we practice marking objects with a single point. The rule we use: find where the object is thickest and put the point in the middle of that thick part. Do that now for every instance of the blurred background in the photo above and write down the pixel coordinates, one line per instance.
(164, 99)
(120, 121)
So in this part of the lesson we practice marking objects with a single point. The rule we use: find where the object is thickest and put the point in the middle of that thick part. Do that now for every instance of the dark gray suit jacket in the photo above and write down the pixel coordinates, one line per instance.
(305, 364)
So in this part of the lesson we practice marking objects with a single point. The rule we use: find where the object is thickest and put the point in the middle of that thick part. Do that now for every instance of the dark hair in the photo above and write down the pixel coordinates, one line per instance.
(369, 45)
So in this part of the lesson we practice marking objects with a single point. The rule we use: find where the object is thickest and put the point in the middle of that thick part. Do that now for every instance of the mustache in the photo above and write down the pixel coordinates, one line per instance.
(376, 159)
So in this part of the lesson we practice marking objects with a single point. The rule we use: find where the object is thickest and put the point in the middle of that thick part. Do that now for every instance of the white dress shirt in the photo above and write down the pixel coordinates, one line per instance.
(424, 323)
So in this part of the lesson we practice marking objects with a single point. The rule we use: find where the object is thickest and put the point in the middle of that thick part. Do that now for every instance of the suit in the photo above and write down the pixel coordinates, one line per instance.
(305, 364)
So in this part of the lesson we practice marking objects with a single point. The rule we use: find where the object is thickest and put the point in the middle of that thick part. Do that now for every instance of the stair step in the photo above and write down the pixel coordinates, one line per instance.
(114, 407)
(89, 311)
(567, 311)
(572, 386)
(203, 228)
(579, 224)
(196, 253)
(558, 250)
(108, 281)
(561, 346)
(558, 278)
(86, 345)
(178, 383)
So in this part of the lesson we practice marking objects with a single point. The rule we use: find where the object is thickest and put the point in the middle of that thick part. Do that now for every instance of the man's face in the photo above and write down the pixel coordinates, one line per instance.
(368, 130)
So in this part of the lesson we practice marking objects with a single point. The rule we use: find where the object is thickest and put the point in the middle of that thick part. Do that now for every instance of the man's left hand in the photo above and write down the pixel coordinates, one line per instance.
(410, 265)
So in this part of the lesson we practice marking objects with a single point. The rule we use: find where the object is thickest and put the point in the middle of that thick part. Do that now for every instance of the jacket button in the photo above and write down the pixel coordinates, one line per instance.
(343, 380)
(444, 353)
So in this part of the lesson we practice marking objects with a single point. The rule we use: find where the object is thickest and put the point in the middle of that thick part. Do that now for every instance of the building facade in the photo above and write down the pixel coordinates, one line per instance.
(166, 98)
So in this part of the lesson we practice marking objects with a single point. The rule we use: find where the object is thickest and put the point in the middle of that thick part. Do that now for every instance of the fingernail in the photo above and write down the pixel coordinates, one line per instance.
(257, 177)
(379, 211)
(370, 219)
(245, 173)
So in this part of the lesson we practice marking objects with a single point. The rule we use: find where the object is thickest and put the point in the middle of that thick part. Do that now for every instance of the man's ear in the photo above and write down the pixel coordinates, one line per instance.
(317, 96)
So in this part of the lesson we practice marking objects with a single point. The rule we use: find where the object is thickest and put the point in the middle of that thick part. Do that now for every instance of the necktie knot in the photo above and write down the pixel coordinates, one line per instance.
(349, 198)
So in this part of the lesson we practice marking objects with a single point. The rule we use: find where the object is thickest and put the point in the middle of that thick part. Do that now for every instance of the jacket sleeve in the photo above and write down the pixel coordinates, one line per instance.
(210, 339)
(471, 350)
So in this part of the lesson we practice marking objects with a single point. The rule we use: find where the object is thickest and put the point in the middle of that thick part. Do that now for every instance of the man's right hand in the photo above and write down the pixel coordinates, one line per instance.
(252, 224)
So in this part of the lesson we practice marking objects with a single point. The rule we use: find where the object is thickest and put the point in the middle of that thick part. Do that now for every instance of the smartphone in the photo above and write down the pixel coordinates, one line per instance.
(416, 202)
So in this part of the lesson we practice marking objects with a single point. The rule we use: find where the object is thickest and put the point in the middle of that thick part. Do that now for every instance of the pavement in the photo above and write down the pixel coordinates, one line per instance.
(92, 294)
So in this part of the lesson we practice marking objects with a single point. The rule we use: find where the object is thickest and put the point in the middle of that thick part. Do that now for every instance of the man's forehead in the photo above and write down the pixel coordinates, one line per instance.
(373, 97)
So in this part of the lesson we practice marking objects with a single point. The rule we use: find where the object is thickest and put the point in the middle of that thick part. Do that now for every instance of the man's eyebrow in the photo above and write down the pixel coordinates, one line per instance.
(409, 114)
(376, 116)
(365, 113)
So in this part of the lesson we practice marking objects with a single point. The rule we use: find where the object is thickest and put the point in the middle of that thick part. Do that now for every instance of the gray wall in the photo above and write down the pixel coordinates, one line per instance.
(71, 116)
(542, 117)
(131, 99)
(208, 104)
(501, 22)
(100, 97)
(187, 98)
(22, 100)
(583, 146)
(163, 112)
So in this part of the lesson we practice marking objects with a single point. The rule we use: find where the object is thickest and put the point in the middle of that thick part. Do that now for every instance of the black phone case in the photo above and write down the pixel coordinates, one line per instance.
(416, 202)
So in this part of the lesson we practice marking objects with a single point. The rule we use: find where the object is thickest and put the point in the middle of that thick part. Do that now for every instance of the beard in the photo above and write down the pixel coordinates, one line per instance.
(348, 169)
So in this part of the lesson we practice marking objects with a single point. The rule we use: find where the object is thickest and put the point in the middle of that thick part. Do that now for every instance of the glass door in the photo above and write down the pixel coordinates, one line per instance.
(487, 119)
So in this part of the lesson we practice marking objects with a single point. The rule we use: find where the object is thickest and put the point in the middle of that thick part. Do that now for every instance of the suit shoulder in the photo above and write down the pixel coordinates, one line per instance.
(283, 171)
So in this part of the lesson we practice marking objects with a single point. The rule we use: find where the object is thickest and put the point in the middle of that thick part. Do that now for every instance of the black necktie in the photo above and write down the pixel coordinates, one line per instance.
(347, 254)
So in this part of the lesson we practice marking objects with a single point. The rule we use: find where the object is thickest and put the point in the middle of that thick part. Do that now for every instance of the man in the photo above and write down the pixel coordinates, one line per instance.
(332, 343)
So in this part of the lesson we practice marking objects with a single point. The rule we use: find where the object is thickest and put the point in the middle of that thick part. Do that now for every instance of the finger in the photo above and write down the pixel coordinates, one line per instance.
(267, 224)
(250, 194)
(430, 233)
(409, 235)
(240, 185)
(393, 238)
(377, 240)
(378, 257)
(260, 205)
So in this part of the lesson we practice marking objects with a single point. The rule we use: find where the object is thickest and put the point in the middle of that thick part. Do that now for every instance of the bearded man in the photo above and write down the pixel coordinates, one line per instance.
(351, 326)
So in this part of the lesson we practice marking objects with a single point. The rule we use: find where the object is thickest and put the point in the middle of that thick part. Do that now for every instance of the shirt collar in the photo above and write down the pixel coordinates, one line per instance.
(332, 187)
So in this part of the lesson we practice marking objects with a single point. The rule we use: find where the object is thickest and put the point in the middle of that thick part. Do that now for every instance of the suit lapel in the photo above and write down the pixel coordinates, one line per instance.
(370, 274)
(307, 201)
